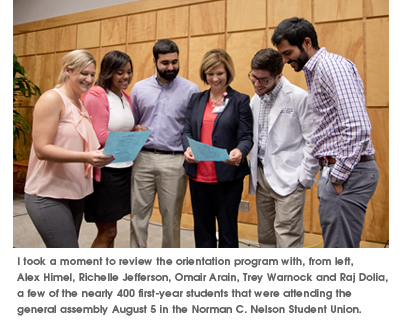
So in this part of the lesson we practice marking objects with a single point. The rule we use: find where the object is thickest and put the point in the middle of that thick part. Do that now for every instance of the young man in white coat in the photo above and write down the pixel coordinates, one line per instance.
(281, 165)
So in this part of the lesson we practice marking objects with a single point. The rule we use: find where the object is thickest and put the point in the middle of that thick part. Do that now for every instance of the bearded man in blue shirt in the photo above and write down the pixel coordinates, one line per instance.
(160, 103)
(342, 137)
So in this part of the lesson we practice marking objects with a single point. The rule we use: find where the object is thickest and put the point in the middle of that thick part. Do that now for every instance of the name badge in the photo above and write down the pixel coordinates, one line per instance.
(219, 109)
(287, 110)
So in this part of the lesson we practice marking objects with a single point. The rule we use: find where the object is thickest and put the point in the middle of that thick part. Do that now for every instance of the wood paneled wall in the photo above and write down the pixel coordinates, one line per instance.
(356, 29)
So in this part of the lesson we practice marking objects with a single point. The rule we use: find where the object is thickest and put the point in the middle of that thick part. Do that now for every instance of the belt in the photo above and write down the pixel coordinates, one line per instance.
(161, 152)
(364, 158)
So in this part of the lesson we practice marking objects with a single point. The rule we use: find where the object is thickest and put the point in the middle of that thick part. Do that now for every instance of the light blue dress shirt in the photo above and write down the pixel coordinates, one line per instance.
(162, 109)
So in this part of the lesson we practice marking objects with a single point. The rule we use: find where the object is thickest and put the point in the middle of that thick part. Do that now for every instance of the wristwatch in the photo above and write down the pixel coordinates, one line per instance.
(335, 180)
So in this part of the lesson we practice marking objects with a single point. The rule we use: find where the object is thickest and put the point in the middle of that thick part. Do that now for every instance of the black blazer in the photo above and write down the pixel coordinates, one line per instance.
(233, 128)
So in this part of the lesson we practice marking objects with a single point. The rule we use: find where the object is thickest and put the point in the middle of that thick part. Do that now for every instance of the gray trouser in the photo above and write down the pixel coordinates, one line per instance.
(342, 215)
(58, 221)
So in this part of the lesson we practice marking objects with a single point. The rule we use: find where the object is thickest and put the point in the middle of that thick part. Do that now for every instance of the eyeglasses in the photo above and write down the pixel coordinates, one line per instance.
(261, 81)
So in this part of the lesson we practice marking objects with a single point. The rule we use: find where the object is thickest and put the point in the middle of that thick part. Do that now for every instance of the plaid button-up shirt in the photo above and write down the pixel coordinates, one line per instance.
(336, 97)
(267, 102)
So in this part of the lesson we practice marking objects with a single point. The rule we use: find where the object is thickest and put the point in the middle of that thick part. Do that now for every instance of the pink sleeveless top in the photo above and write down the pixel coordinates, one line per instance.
(71, 180)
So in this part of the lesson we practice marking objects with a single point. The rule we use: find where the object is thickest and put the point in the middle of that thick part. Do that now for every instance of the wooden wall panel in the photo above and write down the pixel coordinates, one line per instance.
(103, 13)
(173, 23)
(307, 213)
(376, 7)
(45, 41)
(297, 78)
(241, 15)
(142, 27)
(197, 48)
(377, 62)
(315, 226)
(66, 38)
(88, 35)
(58, 65)
(356, 29)
(242, 47)
(105, 50)
(376, 227)
(251, 216)
(45, 72)
(187, 203)
(200, 22)
(142, 59)
(279, 10)
(113, 31)
(24, 44)
(183, 45)
(96, 54)
(335, 10)
(345, 39)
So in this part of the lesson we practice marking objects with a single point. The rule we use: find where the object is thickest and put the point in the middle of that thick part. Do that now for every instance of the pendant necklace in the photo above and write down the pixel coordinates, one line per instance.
(214, 103)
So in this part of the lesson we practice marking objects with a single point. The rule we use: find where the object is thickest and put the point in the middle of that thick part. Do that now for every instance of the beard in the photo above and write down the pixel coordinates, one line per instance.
(262, 91)
(301, 60)
(168, 75)
(271, 88)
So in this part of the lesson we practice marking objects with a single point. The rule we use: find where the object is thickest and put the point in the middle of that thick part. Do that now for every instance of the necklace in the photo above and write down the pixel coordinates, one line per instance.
(214, 103)
(122, 101)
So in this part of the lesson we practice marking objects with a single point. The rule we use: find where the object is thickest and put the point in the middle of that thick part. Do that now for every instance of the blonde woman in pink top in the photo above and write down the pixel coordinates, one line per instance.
(64, 151)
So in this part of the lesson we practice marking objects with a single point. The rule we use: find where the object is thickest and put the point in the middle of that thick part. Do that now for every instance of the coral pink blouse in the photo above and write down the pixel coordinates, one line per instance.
(206, 169)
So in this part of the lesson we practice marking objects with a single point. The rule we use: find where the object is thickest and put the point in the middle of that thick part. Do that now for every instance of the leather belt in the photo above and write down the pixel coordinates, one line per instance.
(364, 158)
(161, 152)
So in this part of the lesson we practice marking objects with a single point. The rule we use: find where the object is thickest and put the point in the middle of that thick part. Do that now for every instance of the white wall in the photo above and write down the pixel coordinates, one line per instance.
(25, 11)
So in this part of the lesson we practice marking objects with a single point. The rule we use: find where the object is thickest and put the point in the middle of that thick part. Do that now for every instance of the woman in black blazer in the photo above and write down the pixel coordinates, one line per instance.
(221, 117)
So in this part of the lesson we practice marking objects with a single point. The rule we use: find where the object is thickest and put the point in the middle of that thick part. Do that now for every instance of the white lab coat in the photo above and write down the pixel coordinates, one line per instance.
(287, 158)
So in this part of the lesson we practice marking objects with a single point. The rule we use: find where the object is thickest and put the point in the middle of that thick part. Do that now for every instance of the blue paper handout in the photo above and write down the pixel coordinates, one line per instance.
(125, 146)
(204, 152)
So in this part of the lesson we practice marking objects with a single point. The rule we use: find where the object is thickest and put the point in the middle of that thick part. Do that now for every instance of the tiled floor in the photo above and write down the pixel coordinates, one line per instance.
(26, 236)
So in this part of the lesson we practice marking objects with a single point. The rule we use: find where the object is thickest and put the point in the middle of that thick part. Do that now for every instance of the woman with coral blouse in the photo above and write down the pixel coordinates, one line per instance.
(110, 109)
(63, 153)
(220, 117)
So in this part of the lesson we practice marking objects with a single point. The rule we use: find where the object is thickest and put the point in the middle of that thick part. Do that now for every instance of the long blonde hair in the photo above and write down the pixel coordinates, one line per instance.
(74, 60)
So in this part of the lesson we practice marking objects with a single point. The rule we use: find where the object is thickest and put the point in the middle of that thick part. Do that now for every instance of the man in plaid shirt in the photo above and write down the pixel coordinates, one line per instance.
(342, 137)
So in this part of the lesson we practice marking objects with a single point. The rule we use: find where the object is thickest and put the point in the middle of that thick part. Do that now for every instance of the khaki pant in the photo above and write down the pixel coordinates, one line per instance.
(160, 174)
(280, 218)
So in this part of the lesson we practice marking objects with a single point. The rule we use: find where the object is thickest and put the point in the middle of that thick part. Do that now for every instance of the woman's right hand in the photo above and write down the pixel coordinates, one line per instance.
(98, 159)
(188, 156)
